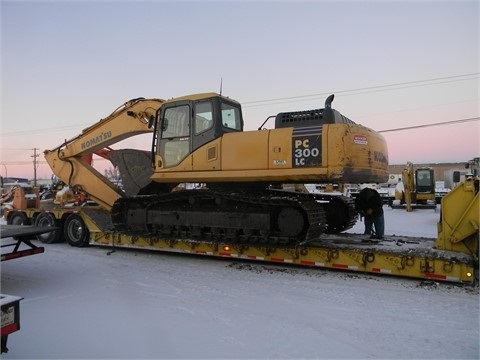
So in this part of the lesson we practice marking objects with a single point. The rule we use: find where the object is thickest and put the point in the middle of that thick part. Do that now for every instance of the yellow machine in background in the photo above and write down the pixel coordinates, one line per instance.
(417, 190)
(200, 139)
(458, 228)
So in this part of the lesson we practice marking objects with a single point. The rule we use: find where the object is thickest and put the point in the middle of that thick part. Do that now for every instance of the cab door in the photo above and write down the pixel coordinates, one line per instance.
(175, 144)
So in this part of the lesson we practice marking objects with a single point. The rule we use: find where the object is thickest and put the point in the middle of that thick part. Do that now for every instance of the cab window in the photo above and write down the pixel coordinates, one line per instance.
(175, 122)
(175, 135)
(231, 118)
(203, 115)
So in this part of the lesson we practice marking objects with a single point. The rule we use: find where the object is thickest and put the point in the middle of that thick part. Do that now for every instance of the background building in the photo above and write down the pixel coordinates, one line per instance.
(438, 168)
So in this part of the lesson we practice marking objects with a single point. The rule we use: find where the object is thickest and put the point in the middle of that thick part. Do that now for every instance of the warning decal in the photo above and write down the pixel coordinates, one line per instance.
(360, 139)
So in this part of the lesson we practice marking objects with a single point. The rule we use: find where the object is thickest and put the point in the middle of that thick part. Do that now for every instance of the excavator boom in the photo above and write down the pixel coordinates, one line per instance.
(69, 161)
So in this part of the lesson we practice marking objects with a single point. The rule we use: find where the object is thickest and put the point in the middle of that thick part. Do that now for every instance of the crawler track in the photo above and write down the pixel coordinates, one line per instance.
(340, 213)
(259, 218)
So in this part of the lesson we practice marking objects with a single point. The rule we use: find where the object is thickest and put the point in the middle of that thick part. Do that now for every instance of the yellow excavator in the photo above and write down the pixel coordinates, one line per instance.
(201, 139)
(417, 190)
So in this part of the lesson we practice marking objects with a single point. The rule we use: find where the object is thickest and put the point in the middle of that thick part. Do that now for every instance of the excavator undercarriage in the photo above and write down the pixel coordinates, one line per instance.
(255, 214)
(268, 218)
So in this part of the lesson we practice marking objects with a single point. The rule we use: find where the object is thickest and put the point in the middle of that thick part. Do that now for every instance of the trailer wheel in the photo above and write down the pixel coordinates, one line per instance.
(75, 231)
(46, 219)
(18, 218)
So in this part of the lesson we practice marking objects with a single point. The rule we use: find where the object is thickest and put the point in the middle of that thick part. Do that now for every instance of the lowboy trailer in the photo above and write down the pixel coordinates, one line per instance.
(452, 257)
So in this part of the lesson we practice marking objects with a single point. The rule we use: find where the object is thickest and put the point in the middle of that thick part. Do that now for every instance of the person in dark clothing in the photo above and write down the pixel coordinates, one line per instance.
(369, 204)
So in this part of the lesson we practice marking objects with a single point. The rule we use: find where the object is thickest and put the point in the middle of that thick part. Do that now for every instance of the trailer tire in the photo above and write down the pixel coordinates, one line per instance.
(18, 218)
(75, 231)
(46, 219)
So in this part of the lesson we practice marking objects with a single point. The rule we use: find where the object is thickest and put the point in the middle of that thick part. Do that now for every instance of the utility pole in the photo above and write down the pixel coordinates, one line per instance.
(6, 173)
(35, 156)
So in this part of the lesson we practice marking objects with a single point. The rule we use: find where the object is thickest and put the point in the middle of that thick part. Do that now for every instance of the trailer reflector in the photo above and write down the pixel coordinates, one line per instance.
(312, 263)
(381, 271)
(344, 266)
(22, 253)
(288, 261)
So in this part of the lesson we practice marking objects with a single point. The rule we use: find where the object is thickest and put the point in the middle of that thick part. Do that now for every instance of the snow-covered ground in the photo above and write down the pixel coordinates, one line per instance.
(88, 303)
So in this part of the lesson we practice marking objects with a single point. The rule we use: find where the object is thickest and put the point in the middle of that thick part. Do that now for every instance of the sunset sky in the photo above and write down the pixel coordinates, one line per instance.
(391, 65)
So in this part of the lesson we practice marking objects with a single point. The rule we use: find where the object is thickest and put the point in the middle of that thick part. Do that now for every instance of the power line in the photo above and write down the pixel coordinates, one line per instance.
(356, 91)
(43, 130)
(380, 131)
(282, 100)
(38, 162)
(429, 125)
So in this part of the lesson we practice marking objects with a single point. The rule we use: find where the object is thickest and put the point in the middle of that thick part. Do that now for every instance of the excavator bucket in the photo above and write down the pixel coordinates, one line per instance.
(135, 167)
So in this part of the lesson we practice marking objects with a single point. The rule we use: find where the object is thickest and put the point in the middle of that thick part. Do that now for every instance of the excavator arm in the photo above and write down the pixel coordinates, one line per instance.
(408, 182)
(71, 161)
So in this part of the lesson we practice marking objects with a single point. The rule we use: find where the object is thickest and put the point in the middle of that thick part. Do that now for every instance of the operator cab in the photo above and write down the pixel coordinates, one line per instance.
(185, 124)
(425, 181)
